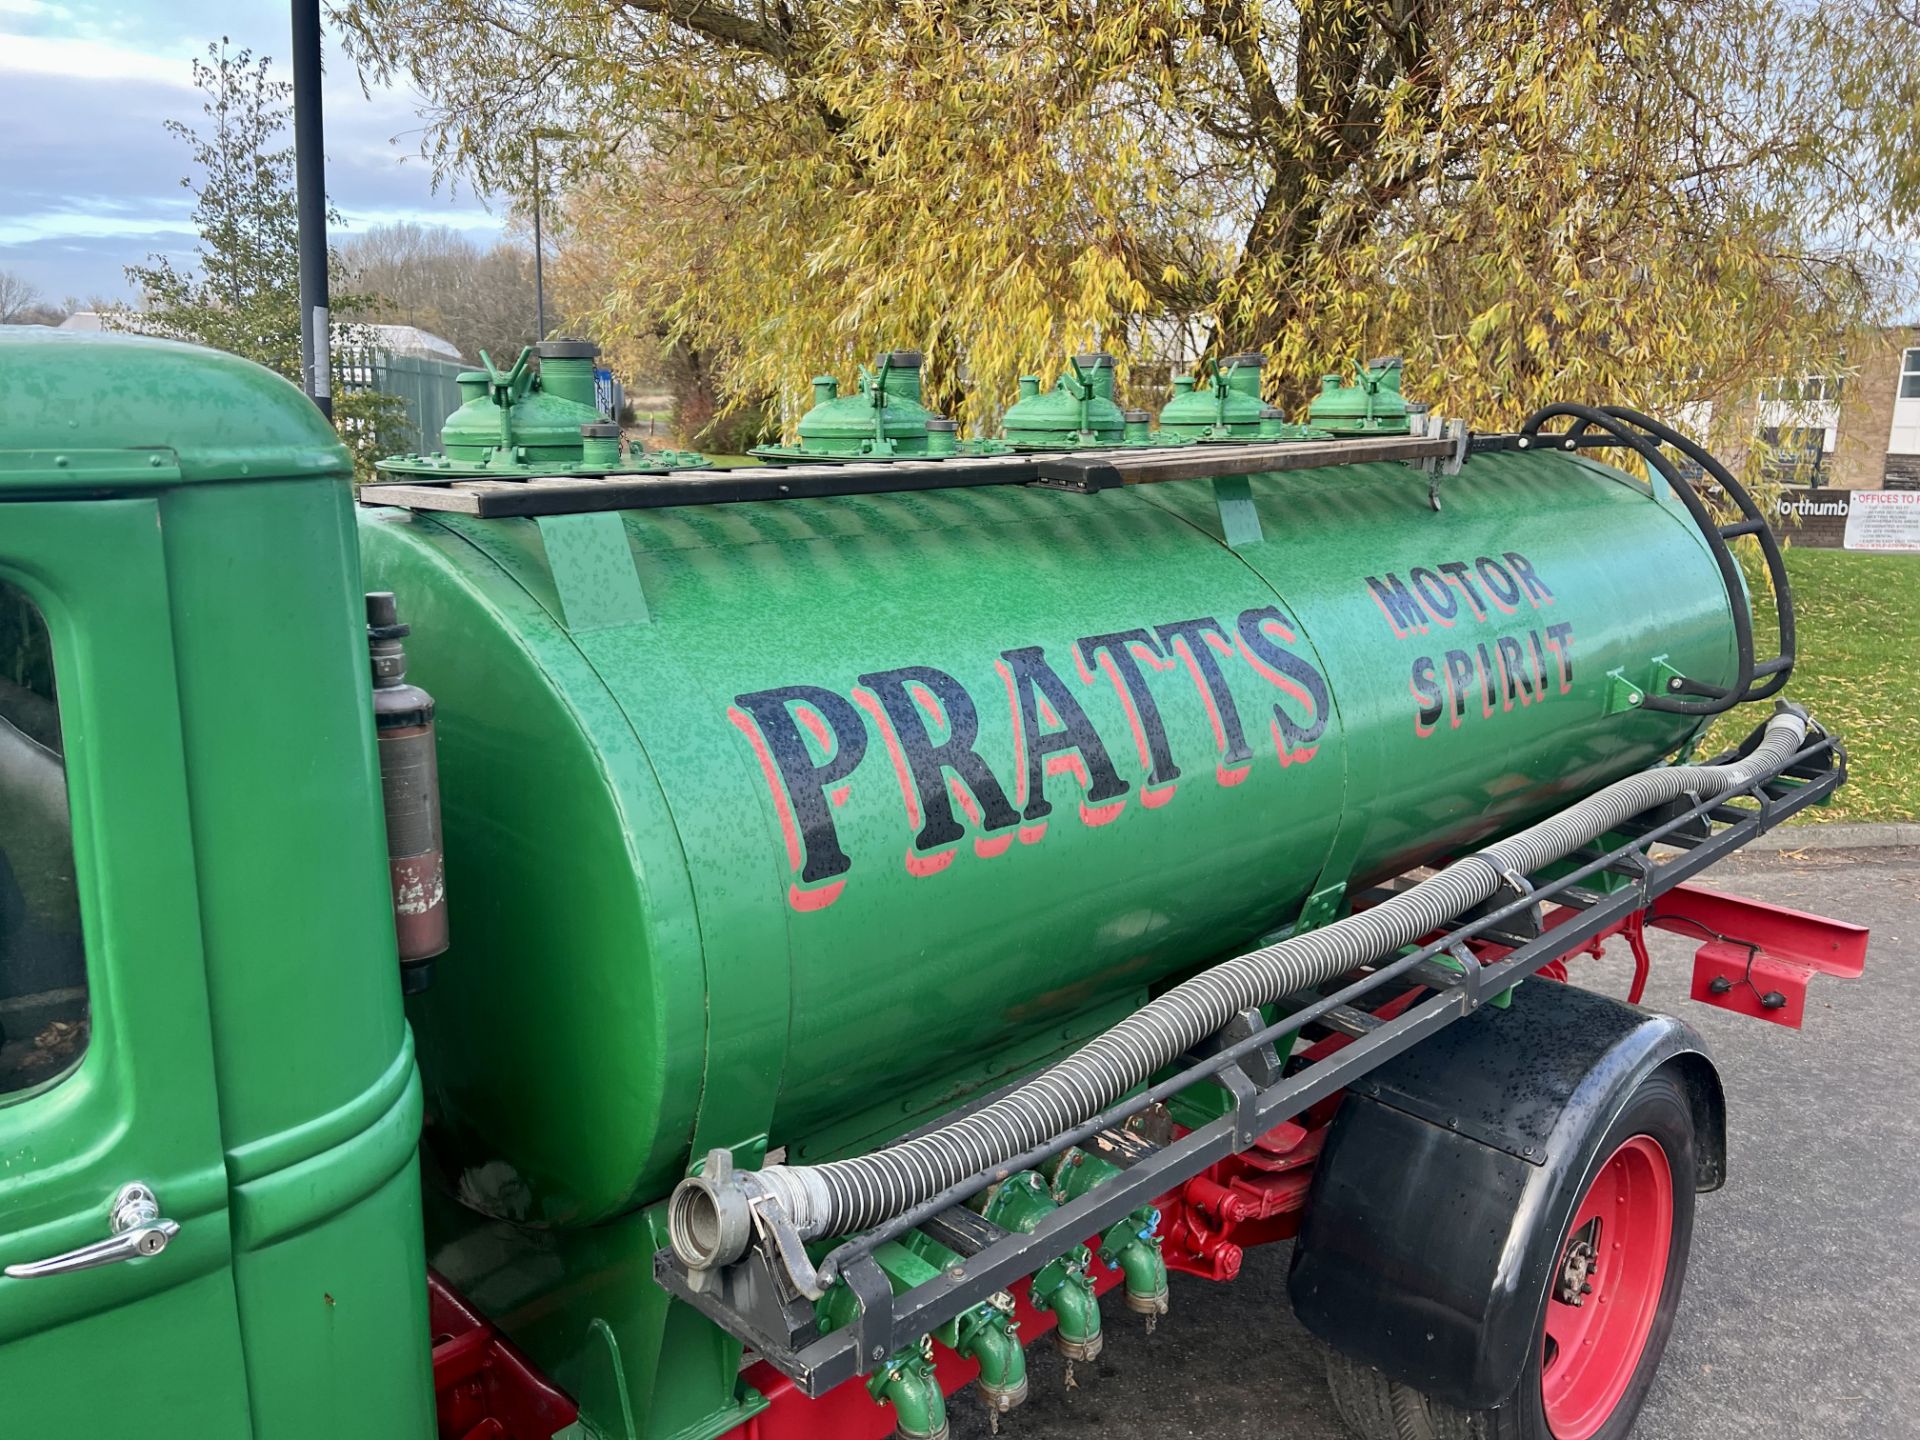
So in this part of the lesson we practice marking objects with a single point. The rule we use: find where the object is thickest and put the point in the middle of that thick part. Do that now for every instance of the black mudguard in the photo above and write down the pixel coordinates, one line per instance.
(1443, 1164)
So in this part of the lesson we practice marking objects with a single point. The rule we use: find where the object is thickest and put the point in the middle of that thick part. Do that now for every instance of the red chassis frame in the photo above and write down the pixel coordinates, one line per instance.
(1754, 959)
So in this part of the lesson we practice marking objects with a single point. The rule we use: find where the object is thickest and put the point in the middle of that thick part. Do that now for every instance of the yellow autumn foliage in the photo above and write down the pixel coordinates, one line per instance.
(1646, 201)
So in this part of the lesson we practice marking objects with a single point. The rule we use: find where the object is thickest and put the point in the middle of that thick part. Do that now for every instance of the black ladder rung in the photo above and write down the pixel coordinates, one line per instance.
(1773, 666)
(1743, 527)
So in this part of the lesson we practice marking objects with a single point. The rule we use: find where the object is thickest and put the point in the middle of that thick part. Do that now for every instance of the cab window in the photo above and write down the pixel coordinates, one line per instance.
(43, 978)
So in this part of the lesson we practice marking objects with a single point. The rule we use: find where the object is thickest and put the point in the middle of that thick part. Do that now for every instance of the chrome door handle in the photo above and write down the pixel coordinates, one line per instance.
(138, 1231)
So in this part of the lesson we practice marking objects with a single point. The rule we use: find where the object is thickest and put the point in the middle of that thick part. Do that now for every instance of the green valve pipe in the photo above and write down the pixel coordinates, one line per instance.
(908, 1383)
(987, 1336)
(1062, 1286)
(1132, 1246)
(984, 1334)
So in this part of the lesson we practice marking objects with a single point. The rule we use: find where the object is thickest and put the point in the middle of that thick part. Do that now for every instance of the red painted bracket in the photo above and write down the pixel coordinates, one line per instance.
(485, 1389)
(1768, 954)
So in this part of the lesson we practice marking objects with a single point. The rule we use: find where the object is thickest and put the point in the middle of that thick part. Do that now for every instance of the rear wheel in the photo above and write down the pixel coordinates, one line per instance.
(1611, 1291)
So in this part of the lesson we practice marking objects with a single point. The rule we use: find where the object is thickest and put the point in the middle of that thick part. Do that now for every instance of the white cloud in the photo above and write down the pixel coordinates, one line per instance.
(72, 225)
(75, 58)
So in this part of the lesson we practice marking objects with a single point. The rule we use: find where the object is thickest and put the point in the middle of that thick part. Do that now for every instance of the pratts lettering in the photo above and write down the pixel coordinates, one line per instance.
(1194, 641)
(920, 764)
(1052, 724)
(1287, 672)
(809, 741)
(1115, 654)
(806, 822)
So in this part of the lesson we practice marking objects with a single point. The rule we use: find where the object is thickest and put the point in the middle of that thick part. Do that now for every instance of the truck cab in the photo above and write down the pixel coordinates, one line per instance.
(209, 1108)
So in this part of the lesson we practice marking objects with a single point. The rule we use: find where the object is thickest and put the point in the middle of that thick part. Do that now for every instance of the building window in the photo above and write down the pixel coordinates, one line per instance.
(1805, 390)
(1793, 454)
(1910, 375)
(43, 977)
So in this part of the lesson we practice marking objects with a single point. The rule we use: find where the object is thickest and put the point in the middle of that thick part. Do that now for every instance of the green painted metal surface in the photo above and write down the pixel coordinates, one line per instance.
(786, 896)
(1228, 409)
(250, 1060)
(536, 417)
(1371, 404)
(1078, 410)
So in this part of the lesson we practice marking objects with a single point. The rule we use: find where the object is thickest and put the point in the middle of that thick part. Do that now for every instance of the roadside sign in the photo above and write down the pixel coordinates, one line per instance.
(1884, 520)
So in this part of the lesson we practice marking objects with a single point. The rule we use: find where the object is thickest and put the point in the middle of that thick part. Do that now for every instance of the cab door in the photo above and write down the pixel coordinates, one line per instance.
(117, 1312)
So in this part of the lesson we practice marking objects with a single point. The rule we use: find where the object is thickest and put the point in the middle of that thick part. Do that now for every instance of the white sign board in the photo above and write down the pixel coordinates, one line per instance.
(1884, 520)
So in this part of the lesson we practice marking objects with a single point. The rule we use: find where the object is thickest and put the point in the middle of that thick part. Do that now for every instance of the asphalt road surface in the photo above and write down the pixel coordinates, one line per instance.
(1801, 1314)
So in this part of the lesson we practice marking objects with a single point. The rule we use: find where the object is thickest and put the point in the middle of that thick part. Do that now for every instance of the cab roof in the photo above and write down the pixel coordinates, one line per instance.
(105, 413)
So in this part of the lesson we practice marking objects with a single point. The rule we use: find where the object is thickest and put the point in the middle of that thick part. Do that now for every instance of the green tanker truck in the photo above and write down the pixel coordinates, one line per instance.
(564, 946)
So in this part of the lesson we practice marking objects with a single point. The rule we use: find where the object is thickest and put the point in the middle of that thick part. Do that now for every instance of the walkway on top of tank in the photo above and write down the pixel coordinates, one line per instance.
(489, 499)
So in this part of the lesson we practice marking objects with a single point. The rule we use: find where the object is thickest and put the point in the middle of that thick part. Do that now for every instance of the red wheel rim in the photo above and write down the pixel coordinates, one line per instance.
(1618, 1245)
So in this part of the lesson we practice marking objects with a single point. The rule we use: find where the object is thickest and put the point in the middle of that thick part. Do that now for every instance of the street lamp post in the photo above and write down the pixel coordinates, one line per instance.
(310, 185)
(539, 277)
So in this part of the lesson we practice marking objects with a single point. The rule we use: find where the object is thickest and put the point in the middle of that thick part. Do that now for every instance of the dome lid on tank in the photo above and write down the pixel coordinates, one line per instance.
(532, 419)
(883, 418)
(1371, 404)
(1078, 409)
(1227, 409)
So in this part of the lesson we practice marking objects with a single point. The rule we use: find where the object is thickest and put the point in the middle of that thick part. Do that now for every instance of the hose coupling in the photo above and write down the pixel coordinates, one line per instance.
(715, 1216)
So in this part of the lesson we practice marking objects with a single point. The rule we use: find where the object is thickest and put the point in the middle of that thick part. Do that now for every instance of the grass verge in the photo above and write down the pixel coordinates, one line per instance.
(1858, 672)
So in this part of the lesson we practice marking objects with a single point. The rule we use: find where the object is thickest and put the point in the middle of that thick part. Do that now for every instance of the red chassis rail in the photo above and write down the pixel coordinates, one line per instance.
(1754, 959)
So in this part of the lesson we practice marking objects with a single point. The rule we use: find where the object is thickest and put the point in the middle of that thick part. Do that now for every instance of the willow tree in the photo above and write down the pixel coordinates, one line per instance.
(1646, 200)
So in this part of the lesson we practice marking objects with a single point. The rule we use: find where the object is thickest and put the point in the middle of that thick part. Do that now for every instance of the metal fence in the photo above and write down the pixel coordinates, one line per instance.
(424, 385)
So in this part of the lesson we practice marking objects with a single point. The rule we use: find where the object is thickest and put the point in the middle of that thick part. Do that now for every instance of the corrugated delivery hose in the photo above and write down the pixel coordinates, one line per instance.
(845, 1196)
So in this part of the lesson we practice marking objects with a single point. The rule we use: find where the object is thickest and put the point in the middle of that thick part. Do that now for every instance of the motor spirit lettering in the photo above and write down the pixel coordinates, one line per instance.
(1472, 677)
(959, 794)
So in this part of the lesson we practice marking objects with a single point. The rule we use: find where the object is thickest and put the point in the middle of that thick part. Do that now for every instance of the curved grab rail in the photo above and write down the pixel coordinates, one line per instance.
(1756, 680)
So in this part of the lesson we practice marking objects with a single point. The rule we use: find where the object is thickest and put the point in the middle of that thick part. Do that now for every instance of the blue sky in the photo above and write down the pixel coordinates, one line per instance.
(89, 178)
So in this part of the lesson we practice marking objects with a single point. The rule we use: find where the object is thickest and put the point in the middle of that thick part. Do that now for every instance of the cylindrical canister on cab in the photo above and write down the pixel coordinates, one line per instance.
(410, 789)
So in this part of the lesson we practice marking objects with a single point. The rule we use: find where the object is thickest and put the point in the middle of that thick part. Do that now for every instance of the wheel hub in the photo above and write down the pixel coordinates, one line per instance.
(1577, 1269)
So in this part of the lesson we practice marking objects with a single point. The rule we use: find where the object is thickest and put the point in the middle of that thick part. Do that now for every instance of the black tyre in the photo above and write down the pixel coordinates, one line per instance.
(1625, 1240)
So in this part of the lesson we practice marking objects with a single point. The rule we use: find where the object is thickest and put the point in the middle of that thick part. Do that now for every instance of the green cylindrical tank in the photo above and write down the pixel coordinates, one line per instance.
(793, 823)
(1372, 405)
(1078, 411)
(1229, 409)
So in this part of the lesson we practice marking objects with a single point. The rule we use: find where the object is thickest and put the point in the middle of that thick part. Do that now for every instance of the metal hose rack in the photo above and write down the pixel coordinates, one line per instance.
(756, 1299)
(1645, 436)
